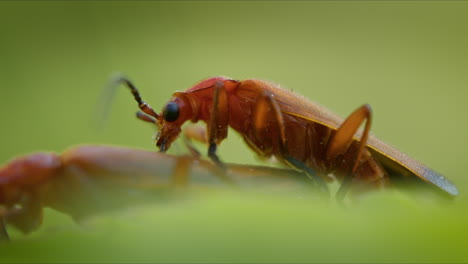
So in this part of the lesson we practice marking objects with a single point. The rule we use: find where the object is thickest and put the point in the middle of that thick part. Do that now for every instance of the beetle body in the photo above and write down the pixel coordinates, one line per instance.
(87, 180)
(277, 122)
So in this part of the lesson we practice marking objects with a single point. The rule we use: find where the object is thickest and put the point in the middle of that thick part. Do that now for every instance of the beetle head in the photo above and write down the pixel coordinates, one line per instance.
(174, 114)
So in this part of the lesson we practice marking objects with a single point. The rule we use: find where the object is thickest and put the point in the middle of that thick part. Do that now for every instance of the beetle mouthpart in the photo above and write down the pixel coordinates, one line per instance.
(163, 147)
(161, 140)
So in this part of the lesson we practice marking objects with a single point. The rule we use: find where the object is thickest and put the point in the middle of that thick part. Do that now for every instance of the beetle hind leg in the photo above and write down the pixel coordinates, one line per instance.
(342, 139)
(311, 174)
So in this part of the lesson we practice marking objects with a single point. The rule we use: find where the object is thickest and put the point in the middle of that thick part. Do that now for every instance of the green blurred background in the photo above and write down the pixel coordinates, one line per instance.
(409, 60)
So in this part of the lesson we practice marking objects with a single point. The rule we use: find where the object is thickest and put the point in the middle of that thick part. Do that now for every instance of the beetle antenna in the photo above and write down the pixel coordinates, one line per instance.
(109, 93)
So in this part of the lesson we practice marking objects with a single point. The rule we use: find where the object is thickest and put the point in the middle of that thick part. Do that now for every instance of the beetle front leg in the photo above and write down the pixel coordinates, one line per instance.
(218, 123)
(28, 217)
(22, 180)
(197, 133)
(342, 139)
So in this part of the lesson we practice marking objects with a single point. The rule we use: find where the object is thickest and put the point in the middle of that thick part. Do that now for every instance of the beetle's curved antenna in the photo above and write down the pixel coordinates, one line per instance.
(108, 94)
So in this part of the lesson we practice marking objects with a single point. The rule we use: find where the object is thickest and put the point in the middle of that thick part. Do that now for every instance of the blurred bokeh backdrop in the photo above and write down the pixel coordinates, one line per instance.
(409, 60)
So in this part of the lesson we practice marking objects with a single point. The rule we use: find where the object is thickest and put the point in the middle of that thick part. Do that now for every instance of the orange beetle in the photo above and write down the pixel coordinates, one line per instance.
(298, 132)
(88, 180)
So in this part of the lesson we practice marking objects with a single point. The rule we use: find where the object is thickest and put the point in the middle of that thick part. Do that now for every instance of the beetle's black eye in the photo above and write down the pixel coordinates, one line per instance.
(171, 112)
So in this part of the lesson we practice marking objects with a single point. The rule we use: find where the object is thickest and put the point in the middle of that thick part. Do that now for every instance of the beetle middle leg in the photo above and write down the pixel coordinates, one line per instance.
(218, 123)
(264, 106)
(197, 133)
(343, 138)
(180, 175)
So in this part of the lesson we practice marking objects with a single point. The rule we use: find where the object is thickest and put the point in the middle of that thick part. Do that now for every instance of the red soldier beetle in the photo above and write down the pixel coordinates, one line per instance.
(273, 122)
(298, 132)
(87, 180)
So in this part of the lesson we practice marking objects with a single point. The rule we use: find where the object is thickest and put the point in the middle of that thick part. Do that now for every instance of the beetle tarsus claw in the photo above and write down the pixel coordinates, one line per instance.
(344, 188)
